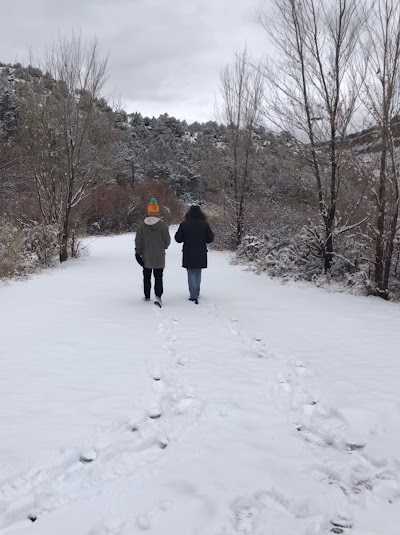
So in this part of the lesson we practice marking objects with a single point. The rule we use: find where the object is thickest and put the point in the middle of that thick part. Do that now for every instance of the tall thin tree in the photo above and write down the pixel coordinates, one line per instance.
(64, 135)
(381, 96)
(313, 90)
(242, 94)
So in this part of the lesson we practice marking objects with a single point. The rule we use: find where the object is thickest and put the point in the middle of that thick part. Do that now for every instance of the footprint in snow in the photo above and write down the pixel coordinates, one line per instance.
(355, 446)
(163, 442)
(234, 326)
(144, 522)
(165, 505)
(155, 413)
(245, 513)
(169, 349)
(341, 523)
(135, 421)
(323, 427)
(361, 479)
(258, 346)
(156, 373)
(300, 369)
(313, 437)
(284, 383)
(328, 476)
(275, 500)
(88, 456)
(247, 510)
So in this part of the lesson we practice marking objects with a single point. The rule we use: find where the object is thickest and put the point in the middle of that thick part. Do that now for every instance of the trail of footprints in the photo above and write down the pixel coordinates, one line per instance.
(344, 461)
(30, 496)
(127, 447)
(247, 512)
(253, 344)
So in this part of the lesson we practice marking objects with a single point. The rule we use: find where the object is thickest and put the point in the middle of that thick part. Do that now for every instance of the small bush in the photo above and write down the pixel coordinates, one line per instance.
(41, 244)
(24, 250)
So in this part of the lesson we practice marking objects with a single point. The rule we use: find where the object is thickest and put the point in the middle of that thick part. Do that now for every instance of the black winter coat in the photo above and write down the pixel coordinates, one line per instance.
(194, 234)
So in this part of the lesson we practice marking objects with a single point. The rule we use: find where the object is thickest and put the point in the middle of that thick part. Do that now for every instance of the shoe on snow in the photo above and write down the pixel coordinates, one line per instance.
(158, 302)
(146, 299)
(193, 300)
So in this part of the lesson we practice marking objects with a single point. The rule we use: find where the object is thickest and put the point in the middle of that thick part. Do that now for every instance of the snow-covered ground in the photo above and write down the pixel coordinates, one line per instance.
(268, 409)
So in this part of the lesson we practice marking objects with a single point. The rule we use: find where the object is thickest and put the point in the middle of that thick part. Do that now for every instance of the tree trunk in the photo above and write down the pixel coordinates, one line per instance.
(390, 248)
(239, 231)
(132, 174)
(380, 224)
(328, 253)
(240, 220)
(65, 236)
(329, 245)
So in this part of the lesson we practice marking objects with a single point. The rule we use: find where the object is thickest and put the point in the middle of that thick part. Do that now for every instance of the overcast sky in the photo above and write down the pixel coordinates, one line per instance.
(165, 55)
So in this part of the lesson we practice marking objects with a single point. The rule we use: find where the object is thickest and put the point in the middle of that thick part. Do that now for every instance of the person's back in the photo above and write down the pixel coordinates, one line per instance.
(195, 233)
(153, 235)
(151, 242)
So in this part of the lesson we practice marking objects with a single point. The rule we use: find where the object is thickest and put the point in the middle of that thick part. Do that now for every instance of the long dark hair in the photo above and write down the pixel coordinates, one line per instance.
(195, 212)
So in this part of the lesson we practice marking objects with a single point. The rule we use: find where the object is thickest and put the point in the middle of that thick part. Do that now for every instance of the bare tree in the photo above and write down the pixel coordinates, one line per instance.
(313, 90)
(381, 96)
(242, 95)
(64, 132)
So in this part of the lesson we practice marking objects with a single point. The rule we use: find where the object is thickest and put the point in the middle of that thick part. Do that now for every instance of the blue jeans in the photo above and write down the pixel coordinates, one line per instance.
(194, 280)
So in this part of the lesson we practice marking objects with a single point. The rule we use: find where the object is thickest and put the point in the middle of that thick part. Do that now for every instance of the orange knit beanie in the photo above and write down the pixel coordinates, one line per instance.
(153, 209)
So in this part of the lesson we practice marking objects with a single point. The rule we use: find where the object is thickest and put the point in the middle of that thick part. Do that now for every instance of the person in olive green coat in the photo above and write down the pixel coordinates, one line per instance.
(152, 240)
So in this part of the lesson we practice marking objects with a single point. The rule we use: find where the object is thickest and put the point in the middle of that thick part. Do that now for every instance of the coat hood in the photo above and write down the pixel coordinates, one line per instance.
(152, 221)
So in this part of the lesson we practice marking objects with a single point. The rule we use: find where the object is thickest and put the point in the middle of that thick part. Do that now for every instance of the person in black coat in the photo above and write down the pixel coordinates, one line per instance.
(195, 233)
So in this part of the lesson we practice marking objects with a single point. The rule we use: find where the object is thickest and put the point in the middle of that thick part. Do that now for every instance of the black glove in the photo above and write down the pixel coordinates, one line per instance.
(139, 259)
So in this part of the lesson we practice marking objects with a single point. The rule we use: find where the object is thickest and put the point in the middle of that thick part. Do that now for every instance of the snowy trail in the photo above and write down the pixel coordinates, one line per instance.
(265, 409)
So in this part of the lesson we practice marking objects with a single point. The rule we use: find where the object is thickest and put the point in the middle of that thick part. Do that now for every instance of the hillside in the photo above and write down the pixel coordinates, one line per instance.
(192, 161)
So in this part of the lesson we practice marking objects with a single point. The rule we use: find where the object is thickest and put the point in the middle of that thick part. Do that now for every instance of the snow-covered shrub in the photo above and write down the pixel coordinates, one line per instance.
(40, 244)
(350, 265)
(251, 247)
(300, 257)
(24, 250)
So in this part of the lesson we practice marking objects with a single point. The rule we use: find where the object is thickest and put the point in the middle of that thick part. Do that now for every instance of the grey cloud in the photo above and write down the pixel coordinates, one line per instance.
(164, 55)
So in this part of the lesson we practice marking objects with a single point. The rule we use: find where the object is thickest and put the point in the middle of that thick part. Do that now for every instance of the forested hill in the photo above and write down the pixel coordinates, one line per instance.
(189, 158)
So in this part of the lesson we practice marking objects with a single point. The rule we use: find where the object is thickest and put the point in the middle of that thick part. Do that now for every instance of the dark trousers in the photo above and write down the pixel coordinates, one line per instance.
(158, 282)
(194, 280)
